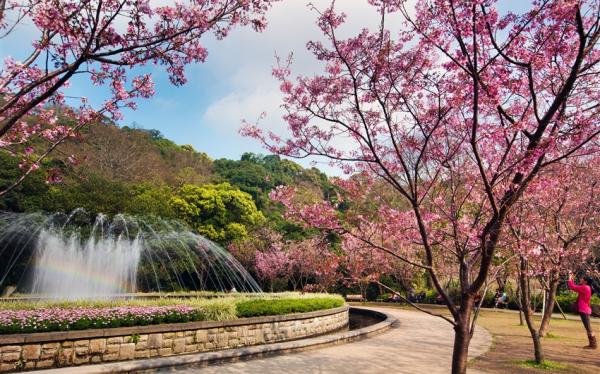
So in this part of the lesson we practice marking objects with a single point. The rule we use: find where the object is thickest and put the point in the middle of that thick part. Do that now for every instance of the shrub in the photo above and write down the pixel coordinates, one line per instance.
(255, 308)
(567, 300)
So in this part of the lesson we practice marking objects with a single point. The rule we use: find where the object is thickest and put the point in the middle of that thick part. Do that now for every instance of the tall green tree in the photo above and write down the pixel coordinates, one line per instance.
(218, 211)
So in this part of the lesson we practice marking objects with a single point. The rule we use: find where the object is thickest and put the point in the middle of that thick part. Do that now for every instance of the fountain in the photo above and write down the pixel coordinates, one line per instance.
(78, 255)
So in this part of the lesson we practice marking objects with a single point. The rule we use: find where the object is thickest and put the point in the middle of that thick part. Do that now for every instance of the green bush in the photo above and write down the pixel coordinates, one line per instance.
(567, 300)
(255, 308)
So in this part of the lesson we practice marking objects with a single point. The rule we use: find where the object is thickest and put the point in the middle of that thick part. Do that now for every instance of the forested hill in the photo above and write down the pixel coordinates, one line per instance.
(137, 171)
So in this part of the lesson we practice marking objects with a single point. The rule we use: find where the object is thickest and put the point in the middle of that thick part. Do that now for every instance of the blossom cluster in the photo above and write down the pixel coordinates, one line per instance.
(81, 318)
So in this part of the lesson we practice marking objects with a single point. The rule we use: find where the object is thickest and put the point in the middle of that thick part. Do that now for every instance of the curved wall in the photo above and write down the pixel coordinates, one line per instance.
(59, 349)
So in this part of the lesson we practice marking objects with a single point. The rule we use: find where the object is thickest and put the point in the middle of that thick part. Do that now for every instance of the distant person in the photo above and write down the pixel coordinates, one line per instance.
(584, 294)
(501, 299)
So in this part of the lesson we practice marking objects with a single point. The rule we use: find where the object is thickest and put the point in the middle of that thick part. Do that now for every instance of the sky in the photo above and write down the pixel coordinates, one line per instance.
(234, 83)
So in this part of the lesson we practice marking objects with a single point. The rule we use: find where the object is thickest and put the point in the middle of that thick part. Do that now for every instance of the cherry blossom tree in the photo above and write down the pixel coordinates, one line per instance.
(306, 264)
(458, 112)
(272, 263)
(105, 40)
(553, 230)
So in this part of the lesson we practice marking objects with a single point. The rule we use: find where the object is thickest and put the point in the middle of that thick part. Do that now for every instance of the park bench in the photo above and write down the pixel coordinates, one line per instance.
(354, 298)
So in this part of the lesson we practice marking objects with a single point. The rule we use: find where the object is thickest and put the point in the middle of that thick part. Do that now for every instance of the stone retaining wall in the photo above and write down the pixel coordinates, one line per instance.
(59, 349)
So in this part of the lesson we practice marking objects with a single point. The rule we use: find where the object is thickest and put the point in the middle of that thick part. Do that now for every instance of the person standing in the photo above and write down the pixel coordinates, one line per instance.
(584, 308)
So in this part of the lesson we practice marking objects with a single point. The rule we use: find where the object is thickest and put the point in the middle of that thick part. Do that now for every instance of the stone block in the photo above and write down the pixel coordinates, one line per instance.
(168, 335)
(113, 348)
(65, 356)
(29, 365)
(4, 367)
(165, 351)
(191, 348)
(141, 346)
(82, 343)
(179, 345)
(167, 343)
(80, 360)
(127, 351)
(50, 345)
(67, 344)
(222, 340)
(201, 336)
(96, 359)
(11, 356)
(44, 364)
(10, 348)
(142, 354)
(97, 345)
(82, 351)
(48, 354)
(115, 340)
(155, 341)
(110, 356)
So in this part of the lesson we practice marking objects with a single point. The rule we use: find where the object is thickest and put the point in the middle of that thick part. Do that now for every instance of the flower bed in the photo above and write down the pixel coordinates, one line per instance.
(30, 317)
(58, 319)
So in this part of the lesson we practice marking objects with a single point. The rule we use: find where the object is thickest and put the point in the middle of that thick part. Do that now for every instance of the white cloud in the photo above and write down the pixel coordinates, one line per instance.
(225, 114)
(246, 58)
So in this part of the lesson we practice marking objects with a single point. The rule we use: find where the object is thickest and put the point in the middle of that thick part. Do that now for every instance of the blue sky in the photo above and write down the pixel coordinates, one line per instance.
(234, 83)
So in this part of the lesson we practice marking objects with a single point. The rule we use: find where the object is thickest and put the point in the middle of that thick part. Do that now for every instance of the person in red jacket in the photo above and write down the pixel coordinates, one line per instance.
(584, 308)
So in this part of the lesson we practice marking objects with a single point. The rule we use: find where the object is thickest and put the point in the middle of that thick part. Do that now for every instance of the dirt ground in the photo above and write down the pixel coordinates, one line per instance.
(512, 345)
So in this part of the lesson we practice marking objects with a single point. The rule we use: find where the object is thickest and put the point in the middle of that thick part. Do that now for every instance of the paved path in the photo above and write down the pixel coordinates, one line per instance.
(418, 344)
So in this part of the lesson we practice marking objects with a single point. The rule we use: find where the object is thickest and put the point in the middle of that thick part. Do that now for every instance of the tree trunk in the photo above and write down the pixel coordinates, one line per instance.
(528, 313)
(538, 352)
(521, 323)
(547, 316)
(460, 353)
(519, 304)
(462, 336)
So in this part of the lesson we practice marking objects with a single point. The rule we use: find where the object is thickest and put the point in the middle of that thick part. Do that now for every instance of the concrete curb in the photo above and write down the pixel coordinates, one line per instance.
(236, 354)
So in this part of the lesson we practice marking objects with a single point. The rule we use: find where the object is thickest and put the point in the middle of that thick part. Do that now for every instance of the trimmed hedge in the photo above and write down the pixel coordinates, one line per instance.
(256, 308)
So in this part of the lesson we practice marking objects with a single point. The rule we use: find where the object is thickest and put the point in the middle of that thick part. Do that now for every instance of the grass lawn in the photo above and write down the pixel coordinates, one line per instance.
(512, 348)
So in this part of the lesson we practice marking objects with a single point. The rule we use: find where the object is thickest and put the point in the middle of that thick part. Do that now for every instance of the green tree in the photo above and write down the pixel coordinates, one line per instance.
(218, 211)
(153, 200)
(26, 196)
(92, 193)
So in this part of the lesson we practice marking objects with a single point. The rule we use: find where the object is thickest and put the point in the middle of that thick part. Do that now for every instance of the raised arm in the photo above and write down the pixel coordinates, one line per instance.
(575, 287)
